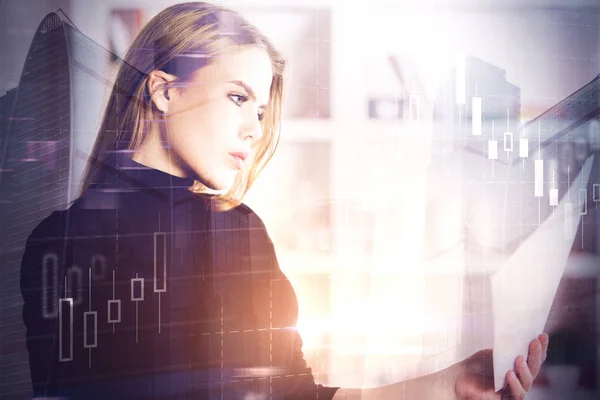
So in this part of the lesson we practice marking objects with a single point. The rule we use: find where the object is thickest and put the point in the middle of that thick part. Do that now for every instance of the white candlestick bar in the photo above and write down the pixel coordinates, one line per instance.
(538, 178)
(554, 197)
(111, 318)
(86, 318)
(160, 261)
(137, 299)
(596, 192)
(476, 116)
(583, 199)
(141, 286)
(65, 306)
(508, 138)
(523, 148)
(493, 149)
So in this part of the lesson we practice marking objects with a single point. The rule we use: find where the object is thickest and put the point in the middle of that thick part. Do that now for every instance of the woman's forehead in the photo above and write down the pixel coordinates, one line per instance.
(251, 66)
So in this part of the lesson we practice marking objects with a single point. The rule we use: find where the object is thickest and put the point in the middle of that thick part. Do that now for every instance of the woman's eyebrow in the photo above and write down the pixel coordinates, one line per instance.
(247, 89)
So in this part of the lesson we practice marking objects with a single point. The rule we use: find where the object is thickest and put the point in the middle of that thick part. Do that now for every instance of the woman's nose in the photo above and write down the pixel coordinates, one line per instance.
(252, 127)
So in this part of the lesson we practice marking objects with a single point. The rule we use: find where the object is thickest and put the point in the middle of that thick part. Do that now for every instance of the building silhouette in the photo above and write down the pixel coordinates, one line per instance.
(48, 124)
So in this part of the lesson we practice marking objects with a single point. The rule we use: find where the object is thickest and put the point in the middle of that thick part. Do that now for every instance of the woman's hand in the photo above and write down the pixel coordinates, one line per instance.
(475, 380)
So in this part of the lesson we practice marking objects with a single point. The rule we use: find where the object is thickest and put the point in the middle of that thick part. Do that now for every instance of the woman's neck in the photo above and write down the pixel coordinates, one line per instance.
(153, 154)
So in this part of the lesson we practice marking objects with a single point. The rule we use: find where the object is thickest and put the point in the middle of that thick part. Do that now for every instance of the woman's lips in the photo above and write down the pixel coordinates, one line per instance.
(239, 159)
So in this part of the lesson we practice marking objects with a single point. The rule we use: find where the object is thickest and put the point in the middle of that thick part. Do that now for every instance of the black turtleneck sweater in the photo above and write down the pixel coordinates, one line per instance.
(140, 291)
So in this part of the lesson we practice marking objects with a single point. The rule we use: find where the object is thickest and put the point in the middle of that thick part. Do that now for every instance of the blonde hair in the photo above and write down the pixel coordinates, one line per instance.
(203, 31)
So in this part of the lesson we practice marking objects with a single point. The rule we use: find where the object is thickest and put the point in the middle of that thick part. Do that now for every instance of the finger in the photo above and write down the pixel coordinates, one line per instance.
(516, 389)
(544, 339)
(523, 373)
(534, 359)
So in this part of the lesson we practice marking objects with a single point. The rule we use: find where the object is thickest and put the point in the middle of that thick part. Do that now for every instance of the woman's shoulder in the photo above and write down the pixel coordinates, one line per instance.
(255, 222)
(257, 231)
(75, 218)
(52, 226)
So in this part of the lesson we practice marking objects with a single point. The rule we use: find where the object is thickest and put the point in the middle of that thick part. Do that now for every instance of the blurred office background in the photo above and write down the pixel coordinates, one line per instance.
(389, 224)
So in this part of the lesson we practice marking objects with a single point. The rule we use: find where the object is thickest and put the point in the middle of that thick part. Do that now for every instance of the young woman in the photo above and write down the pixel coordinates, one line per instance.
(157, 282)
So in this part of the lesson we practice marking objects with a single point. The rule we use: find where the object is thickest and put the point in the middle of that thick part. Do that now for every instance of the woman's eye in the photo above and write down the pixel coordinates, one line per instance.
(238, 99)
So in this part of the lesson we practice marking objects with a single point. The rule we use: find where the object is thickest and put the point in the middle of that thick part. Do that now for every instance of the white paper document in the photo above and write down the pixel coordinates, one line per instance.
(523, 289)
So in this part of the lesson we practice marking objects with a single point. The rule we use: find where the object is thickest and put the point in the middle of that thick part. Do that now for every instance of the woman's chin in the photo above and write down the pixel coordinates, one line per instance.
(223, 184)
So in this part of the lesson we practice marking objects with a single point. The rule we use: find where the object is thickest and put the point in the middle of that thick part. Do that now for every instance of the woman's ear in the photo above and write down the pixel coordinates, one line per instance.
(161, 93)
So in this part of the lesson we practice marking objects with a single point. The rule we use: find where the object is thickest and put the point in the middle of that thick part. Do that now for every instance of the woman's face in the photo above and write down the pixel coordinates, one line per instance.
(213, 123)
